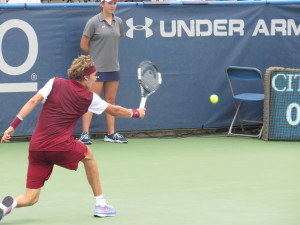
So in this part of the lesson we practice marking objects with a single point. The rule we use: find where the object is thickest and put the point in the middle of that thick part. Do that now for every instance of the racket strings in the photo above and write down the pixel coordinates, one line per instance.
(150, 79)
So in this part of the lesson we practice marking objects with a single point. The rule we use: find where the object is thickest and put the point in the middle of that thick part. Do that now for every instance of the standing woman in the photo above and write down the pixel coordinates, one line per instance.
(100, 39)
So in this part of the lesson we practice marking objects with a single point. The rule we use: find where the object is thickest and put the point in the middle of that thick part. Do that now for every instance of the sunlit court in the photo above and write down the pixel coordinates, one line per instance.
(211, 179)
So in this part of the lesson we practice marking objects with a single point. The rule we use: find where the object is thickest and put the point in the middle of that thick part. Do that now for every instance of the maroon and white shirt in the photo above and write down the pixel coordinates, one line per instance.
(65, 101)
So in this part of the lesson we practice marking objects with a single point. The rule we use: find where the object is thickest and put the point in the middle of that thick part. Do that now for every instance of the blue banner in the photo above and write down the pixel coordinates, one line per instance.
(192, 45)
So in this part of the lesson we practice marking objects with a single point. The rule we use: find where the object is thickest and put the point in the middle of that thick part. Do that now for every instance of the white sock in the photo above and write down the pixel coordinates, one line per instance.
(14, 204)
(100, 200)
(4, 208)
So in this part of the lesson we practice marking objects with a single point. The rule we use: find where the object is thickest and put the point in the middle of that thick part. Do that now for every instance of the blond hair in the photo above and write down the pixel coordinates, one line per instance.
(78, 66)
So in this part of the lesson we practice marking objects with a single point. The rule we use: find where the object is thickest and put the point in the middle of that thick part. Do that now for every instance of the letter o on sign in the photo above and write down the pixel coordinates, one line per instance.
(32, 51)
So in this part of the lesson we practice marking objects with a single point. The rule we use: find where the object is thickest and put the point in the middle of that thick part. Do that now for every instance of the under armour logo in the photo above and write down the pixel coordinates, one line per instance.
(148, 31)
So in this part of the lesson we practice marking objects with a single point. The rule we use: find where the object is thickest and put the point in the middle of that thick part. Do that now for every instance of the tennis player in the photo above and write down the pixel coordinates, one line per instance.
(64, 102)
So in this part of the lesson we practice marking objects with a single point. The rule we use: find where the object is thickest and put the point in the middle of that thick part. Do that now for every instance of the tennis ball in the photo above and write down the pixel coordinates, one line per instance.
(214, 99)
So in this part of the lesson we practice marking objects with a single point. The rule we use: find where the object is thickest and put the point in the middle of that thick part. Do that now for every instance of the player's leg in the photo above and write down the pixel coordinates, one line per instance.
(87, 117)
(38, 172)
(30, 197)
(110, 93)
(92, 173)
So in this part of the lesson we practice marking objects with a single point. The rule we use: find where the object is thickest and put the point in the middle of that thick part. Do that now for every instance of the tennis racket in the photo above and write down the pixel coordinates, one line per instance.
(149, 79)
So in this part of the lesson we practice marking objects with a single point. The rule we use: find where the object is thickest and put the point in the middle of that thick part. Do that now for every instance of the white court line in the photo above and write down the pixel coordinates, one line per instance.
(18, 87)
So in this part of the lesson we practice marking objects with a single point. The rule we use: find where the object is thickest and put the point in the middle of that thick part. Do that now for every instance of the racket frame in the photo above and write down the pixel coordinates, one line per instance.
(144, 89)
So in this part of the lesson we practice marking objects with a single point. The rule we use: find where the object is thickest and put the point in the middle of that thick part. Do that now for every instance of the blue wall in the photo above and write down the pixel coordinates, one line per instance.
(192, 45)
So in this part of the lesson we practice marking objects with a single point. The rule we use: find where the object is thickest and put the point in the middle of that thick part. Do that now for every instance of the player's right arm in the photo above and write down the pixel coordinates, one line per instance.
(39, 97)
(30, 105)
(26, 109)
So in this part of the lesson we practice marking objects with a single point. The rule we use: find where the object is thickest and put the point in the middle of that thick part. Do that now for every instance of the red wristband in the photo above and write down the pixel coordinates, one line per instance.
(135, 113)
(15, 123)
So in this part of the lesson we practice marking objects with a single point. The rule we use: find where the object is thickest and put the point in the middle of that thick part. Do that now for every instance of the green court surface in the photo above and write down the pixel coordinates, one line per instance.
(205, 180)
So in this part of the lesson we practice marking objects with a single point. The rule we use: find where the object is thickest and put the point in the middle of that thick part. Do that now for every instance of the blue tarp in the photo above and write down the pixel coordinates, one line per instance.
(192, 45)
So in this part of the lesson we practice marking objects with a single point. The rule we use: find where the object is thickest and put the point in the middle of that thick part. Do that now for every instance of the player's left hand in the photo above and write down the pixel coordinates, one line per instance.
(7, 134)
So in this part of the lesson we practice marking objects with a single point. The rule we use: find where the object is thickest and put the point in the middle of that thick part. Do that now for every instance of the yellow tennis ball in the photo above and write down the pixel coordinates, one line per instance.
(214, 99)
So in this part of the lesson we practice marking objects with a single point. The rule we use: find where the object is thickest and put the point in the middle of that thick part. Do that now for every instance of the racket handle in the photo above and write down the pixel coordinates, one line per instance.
(143, 102)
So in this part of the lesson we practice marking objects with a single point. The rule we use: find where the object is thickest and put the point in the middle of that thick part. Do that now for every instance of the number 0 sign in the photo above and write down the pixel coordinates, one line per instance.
(282, 104)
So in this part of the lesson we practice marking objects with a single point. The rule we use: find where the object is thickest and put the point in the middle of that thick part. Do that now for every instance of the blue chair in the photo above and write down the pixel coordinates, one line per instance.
(243, 82)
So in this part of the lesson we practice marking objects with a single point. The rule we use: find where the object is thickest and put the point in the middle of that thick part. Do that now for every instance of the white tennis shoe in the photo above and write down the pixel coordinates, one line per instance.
(6, 206)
